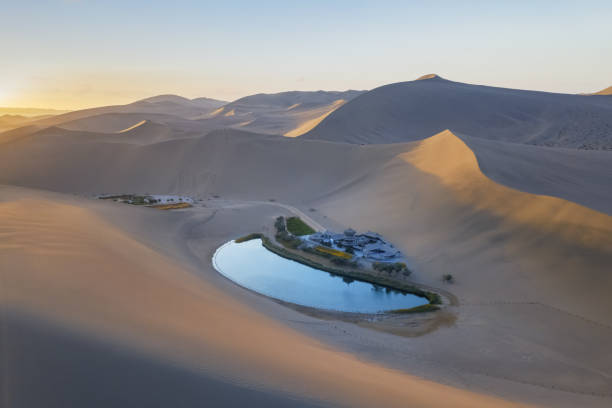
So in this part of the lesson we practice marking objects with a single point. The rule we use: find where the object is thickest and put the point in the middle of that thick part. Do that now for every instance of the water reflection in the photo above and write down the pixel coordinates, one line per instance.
(251, 265)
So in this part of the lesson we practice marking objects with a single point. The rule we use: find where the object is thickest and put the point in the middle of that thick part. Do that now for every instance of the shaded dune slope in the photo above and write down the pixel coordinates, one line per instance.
(430, 198)
(607, 91)
(198, 327)
(228, 162)
(434, 199)
(393, 186)
(171, 105)
(116, 122)
(576, 175)
(453, 163)
(234, 162)
(412, 110)
(286, 113)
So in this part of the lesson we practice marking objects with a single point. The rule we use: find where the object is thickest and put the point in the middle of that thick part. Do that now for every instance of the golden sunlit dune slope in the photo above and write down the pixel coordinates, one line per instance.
(307, 124)
(607, 91)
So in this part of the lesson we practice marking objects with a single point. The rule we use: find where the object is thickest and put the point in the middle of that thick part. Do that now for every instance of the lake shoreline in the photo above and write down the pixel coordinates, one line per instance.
(435, 299)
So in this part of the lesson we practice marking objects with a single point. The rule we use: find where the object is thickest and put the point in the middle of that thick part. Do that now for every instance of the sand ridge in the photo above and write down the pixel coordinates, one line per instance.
(309, 124)
(413, 110)
(455, 165)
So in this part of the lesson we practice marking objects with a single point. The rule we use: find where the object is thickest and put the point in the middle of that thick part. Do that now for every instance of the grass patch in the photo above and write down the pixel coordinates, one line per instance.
(417, 309)
(174, 206)
(334, 252)
(298, 227)
(255, 235)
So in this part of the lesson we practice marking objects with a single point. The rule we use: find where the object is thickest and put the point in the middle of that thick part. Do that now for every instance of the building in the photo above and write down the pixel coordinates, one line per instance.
(369, 245)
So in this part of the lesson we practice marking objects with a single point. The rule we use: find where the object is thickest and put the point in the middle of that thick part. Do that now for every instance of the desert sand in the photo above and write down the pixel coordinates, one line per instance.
(414, 110)
(607, 91)
(102, 282)
(525, 230)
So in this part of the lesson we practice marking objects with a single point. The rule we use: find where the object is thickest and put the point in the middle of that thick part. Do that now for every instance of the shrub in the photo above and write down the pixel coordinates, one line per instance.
(448, 278)
(343, 262)
(279, 224)
(288, 240)
(391, 267)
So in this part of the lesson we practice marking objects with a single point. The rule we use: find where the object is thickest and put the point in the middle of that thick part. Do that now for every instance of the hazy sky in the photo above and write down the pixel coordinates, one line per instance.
(72, 54)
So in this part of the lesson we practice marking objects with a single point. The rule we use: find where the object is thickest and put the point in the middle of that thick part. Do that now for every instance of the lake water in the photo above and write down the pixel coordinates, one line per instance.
(252, 266)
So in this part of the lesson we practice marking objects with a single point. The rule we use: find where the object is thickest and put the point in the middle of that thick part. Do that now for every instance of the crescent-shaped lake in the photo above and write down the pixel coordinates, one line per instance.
(251, 265)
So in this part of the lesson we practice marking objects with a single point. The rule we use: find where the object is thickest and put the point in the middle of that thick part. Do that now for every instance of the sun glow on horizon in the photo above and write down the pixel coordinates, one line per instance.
(263, 50)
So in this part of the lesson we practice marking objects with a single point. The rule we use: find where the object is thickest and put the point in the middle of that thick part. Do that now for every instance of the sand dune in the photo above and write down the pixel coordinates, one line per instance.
(30, 112)
(287, 113)
(8, 121)
(142, 122)
(607, 91)
(116, 299)
(173, 105)
(205, 163)
(310, 124)
(530, 250)
(413, 110)
(516, 253)
(427, 76)
(115, 122)
(449, 159)
(575, 175)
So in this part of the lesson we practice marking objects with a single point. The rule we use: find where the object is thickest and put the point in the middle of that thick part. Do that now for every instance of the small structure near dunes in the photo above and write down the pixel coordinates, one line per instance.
(159, 201)
(369, 245)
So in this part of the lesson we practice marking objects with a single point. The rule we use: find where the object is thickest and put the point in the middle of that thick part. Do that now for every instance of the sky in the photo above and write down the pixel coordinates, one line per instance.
(70, 54)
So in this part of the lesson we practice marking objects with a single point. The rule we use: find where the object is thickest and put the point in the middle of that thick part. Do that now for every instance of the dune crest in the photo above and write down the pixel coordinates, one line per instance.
(607, 91)
(412, 110)
(428, 76)
(142, 122)
(312, 123)
(447, 157)
(217, 111)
